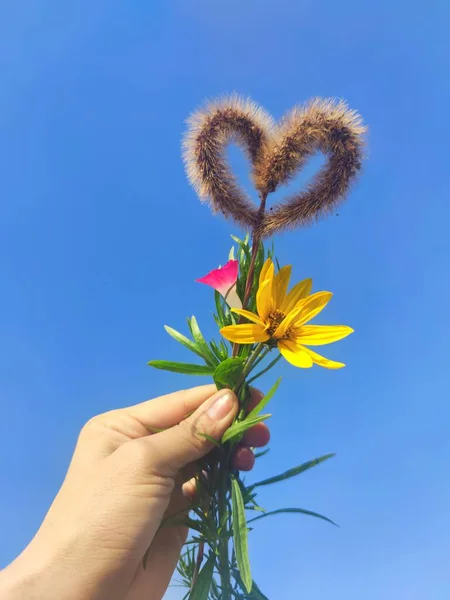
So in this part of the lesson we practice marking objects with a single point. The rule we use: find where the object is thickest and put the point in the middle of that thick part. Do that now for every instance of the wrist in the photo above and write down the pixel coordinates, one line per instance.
(36, 575)
(46, 572)
(20, 583)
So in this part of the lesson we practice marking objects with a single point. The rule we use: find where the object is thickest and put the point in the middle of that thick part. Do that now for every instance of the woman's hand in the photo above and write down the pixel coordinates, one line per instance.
(122, 481)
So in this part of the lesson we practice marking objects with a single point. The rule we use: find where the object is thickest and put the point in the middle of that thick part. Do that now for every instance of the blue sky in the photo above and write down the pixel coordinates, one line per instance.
(101, 239)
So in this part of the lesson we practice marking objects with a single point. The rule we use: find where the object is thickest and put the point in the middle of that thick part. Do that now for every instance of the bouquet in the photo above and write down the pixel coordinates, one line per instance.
(260, 318)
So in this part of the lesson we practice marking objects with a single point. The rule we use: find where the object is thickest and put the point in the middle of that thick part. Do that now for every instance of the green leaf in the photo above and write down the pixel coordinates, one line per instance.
(182, 339)
(177, 367)
(259, 261)
(228, 373)
(155, 429)
(257, 594)
(257, 508)
(224, 348)
(265, 401)
(201, 588)
(244, 246)
(210, 439)
(240, 533)
(221, 316)
(201, 342)
(215, 590)
(236, 239)
(241, 427)
(170, 522)
(255, 283)
(215, 349)
(220, 350)
(267, 368)
(302, 511)
(293, 472)
(262, 453)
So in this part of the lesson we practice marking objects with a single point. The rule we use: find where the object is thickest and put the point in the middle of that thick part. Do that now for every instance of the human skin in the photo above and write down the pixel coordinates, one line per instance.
(122, 481)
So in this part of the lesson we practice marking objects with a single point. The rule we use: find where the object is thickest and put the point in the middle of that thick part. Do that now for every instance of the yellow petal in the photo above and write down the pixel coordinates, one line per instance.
(264, 302)
(294, 354)
(280, 285)
(318, 335)
(267, 271)
(248, 315)
(322, 361)
(245, 333)
(312, 306)
(305, 310)
(299, 291)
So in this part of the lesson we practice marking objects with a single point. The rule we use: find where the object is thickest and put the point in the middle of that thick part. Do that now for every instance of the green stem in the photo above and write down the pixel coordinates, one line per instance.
(250, 364)
(224, 563)
(269, 366)
(260, 357)
(224, 487)
(252, 360)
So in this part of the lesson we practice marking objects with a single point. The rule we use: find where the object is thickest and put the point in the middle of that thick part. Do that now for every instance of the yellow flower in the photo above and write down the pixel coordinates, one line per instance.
(282, 319)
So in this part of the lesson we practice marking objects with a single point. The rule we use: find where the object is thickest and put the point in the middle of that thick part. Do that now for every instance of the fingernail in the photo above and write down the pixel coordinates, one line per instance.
(221, 407)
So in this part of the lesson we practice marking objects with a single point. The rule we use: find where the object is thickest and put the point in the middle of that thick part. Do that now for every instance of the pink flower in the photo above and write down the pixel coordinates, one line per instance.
(223, 280)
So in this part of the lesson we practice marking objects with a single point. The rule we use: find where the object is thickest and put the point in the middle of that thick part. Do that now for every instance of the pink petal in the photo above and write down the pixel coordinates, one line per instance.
(232, 299)
(223, 278)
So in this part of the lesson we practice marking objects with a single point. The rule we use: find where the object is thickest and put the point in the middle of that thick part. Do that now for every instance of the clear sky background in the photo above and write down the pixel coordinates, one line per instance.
(101, 239)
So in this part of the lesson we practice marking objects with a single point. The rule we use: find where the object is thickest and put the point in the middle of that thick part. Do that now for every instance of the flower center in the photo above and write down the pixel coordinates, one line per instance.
(274, 319)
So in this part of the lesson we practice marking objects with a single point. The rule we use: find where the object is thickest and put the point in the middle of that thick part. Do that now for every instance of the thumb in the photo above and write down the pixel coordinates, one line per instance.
(180, 445)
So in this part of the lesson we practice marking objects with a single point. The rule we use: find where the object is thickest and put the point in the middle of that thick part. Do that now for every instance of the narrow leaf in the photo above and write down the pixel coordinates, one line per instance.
(239, 428)
(200, 590)
(219, 351)
(185, 521)
(244, 247)
(210, 439)
(240, 533)
(221, 317)
(262, 453)
(155, 429)
(302, 511)
(267, 368)
(293, 472)
(265, 401)
(257, 593)
(177, 367)
(224, 349)
(228, 373)
(182, 339)
(201, 342)
(237, 240)
(256, 508)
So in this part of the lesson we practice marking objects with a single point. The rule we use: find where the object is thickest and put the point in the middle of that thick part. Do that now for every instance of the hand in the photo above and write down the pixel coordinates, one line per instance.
(121, 483)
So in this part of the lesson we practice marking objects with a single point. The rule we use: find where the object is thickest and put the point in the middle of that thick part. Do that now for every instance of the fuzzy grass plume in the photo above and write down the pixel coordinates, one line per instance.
(277, 153)
(210, 130)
